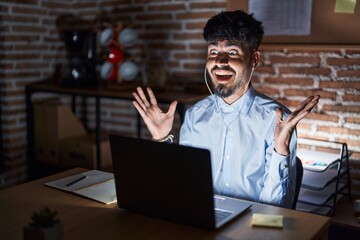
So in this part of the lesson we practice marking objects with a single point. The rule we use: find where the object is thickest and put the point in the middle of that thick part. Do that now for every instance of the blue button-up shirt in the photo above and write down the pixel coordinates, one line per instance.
(240, 137)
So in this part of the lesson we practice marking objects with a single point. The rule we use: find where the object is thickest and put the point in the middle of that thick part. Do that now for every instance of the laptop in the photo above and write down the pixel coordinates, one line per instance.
(171, 182)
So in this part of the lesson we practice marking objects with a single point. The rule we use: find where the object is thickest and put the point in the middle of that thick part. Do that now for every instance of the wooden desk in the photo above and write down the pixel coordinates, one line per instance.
(86, 219)
(99, 92)
(344, 224)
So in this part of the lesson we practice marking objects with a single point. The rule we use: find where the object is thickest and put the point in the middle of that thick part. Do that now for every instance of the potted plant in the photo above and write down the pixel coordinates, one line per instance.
(44, 225)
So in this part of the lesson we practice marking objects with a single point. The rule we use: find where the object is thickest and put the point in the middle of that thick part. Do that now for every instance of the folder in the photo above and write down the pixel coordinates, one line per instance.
(94, 184)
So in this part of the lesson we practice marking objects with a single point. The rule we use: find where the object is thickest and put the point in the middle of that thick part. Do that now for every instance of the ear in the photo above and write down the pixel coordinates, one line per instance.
(256, 58)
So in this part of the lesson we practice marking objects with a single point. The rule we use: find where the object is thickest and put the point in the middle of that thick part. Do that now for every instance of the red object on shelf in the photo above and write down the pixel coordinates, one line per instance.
(115, 55)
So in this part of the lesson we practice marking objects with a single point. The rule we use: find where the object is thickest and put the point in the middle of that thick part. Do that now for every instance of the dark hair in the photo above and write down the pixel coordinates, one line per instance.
(234, 26)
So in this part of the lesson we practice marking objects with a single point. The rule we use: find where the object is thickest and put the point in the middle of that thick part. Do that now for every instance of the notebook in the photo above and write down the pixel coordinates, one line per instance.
(169, 181)
(94, 184)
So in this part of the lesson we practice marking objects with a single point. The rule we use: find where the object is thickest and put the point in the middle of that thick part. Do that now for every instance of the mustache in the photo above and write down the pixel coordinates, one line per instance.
(226, 68)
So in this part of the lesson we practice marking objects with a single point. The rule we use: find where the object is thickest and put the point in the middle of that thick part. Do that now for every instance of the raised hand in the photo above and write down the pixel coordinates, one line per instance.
(158, 122)
(284, 129)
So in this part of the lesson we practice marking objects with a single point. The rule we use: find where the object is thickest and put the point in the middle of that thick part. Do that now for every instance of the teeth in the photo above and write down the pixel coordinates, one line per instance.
(220, 74)
(224, 73)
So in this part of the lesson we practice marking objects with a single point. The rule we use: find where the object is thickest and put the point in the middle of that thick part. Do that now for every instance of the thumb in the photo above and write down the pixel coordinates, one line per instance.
(279, 115)
(172, 108)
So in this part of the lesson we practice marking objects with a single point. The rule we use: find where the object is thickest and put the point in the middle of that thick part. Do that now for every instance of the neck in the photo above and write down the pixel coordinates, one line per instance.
(237, 95)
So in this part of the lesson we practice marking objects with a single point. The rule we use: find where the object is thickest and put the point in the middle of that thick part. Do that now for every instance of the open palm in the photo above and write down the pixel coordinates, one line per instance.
(284, 129)
(159, 123)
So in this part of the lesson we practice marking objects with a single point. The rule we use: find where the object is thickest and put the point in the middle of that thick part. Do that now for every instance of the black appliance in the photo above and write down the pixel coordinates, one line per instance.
(80, 69)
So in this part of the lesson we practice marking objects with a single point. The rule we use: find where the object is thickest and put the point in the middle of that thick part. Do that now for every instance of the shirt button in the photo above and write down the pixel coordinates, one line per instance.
(227, 157)
(227, 185)
(283, 167)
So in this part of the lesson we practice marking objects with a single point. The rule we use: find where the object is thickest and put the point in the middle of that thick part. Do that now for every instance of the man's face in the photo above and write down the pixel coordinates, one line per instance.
(229, 67)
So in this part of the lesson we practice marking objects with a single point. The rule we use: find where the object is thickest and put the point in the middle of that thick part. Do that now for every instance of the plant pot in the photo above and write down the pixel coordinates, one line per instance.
(52, 233)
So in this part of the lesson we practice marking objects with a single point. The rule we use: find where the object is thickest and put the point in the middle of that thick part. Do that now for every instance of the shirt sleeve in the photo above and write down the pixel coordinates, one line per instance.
(185, 131)
(280, 176)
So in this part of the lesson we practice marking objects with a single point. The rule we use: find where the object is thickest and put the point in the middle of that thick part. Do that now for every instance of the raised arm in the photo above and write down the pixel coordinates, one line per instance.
(159, 123)
(280, 175)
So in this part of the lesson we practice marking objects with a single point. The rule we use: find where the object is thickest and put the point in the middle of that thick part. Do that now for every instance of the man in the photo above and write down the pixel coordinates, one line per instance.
(251, 137)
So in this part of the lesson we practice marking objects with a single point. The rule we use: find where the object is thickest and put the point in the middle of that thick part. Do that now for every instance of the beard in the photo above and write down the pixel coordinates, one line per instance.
(226, 90)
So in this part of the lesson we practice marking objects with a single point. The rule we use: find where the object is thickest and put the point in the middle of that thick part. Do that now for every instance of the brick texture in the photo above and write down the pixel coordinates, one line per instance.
(31, 48)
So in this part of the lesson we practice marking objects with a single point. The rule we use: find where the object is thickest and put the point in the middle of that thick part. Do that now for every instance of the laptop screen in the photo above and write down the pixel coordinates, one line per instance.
(167, 181)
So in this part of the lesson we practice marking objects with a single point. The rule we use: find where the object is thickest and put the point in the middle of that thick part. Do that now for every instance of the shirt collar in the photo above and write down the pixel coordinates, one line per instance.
(241, 105)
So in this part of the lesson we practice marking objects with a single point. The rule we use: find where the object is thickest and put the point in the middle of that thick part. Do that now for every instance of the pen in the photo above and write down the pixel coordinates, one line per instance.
(75, 181)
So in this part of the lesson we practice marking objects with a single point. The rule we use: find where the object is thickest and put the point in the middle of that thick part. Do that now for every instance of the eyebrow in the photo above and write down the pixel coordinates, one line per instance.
(213, 43)
(227, 44)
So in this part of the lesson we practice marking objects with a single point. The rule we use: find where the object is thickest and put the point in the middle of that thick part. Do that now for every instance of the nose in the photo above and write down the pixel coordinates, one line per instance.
(222, 59)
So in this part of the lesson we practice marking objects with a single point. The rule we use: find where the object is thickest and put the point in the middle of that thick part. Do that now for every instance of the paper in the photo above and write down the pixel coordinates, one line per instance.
(283, 17)
(316, 160)
(267, 220)
(345, 6)
(97, 185)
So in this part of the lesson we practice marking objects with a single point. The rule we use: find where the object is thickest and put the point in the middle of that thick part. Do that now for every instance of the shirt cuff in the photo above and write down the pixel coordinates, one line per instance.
(279, 164)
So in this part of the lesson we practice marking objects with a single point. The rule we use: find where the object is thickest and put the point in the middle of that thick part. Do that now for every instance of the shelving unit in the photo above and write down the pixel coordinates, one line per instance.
(326, 176)
(121, 92)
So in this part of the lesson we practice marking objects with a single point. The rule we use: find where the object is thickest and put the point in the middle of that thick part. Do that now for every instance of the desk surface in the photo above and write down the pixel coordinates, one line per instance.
(345, 214)
(86, 219)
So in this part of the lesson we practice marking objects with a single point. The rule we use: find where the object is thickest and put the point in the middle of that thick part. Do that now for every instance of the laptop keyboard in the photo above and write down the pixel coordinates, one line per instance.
(220, 215)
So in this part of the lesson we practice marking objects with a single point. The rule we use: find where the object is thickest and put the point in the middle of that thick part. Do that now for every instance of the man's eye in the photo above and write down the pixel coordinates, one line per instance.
(214, 52)
(233, 52)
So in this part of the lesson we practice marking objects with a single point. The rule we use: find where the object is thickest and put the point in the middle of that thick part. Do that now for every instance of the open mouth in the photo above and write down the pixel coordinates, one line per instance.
(223, 76)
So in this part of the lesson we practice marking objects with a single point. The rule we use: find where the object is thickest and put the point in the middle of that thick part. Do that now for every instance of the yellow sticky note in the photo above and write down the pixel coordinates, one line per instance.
(267, 220)
(345, 6)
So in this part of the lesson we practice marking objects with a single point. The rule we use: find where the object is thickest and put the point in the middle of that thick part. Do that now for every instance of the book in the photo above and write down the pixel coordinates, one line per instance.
(94, 184)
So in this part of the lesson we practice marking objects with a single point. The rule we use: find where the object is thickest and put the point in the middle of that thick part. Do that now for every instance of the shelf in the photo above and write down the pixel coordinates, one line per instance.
(326, 209)
(316, 181)
(317, 161)
(326, 175)
(322, 210)
(320, 197)
(120, 92)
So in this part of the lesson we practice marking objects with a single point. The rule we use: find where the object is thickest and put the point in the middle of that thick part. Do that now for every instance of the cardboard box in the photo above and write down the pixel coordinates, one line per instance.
(53, 122)
(81, 152)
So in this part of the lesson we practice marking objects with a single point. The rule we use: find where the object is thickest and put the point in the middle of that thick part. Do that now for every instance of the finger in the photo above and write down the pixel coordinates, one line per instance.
(302, 105)
(308, 105)
(142, 96)
(279, 115)
(294, 121)
(139, 101)
(151, 96)
(139, 109)
(312, 100)
(311, 105)
(307, 109)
